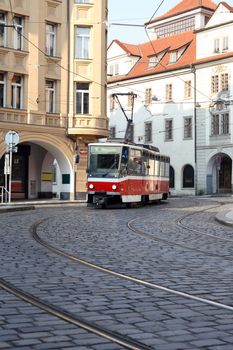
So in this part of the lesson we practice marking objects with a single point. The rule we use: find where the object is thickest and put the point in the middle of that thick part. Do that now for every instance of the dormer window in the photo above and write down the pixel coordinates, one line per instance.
(153, 61)
(173, 56)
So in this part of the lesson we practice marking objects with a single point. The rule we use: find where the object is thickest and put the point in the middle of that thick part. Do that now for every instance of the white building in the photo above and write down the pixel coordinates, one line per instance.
(182, 79)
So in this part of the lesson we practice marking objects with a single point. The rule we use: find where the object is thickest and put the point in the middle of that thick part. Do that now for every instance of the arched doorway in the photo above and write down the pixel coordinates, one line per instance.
(33, 168)
(224, 174)
(219, 172)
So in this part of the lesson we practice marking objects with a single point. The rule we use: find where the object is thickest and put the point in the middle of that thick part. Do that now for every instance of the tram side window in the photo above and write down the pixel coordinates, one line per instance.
(167, 168)
(152, 164)
(162, 168)
(135, 162)
(145, 164)
(124, 161)
(157, 166)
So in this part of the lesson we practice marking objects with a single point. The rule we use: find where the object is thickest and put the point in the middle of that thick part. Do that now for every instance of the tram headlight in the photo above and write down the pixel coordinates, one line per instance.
(114, 187)
(91, 186)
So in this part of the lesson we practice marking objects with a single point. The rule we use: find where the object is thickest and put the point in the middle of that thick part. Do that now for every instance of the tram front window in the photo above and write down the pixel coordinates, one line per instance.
(104, 161)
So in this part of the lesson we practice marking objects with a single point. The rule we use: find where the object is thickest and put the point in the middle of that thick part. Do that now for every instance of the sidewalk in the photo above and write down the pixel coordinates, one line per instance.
(32, 204)
(225, 218)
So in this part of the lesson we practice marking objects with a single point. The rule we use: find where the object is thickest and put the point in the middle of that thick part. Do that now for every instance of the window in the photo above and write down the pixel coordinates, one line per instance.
(188, 127)
(216, 45)
(188, 177)
(168, 92)
(225, 43)
(50, 39)
(188, 89)
(148, 132)
(214, 84)
(184, 25)
(16, 92)
(224, 82)
(18, 33)
(2, 90)
(220, 124)
(168, 129)
(148, 96)
(2, 29)
(153, 61)
(82, 42)
(50, 96)
(82, 98)
(219, 83)
(173, 57)
(112, 132)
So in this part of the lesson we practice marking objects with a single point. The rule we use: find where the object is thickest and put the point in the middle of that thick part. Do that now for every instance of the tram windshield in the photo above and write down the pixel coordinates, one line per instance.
(104, 161)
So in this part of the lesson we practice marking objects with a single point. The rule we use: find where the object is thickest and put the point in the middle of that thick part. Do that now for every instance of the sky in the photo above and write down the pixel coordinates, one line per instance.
(136, 12)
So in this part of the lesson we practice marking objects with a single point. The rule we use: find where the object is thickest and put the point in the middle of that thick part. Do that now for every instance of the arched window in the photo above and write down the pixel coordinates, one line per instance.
(188, 176)
(171, 177)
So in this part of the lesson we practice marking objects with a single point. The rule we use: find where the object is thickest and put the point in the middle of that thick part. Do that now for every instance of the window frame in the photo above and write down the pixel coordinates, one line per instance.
(82, 95)
(84, 41)
(3, 89)
(188, 128)
(50, 96)
(168, 129)
(18, 32)
(4, 32)
(17, 92)
(51, 39)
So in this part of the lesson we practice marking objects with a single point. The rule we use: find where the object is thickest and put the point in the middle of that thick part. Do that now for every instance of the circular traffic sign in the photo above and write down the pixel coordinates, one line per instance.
(12, 138)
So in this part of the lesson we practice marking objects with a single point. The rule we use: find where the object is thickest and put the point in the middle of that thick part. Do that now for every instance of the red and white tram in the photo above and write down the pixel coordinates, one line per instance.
(126, 173)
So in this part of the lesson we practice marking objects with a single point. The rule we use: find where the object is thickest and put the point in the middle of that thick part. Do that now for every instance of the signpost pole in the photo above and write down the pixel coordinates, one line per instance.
(11, 139)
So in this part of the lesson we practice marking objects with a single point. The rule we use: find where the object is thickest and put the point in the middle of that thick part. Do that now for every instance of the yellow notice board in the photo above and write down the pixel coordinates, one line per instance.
(46, 176)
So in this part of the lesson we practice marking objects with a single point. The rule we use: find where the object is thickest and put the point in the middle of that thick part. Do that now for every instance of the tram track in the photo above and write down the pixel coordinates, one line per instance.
(120, 275)
(179, 222)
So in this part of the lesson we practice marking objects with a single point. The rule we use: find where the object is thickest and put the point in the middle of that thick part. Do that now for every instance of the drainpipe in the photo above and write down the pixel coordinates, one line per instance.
(193, 70)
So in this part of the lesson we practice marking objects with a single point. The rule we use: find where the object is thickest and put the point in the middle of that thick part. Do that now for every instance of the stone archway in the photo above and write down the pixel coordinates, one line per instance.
(42, 150)
(219, 174)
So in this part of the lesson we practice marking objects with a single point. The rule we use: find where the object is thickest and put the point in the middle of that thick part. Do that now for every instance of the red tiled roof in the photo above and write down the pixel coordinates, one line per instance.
(165, 45)
(184, 6)
(132, 49)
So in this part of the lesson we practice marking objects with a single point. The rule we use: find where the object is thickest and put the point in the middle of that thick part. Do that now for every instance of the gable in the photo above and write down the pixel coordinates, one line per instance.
(223, 14)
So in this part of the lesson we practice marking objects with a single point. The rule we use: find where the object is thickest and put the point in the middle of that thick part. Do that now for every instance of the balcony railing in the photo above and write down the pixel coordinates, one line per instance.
(23, 117)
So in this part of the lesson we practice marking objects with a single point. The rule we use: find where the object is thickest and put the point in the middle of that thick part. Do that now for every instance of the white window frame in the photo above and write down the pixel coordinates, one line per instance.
(50, 88)
(225, 43)
(17, 89)
(82, 94)
(3, 23)
(188, 128)
(51, 39)
(3, 85)
(220, 123)
(169, 129)
(18, 39)
(82, 40)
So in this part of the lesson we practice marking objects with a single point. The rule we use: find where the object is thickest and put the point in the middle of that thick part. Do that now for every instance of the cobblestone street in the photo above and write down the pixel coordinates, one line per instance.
(162, 277)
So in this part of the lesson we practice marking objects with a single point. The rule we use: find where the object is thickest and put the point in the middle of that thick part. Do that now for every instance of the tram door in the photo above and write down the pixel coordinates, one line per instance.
(225, 175)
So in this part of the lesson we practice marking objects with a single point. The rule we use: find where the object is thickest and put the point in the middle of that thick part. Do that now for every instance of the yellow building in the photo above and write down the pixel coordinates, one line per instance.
(52, 92)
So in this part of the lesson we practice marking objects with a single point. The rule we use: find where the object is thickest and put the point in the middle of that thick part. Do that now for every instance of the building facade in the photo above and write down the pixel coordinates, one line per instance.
(182, 79)
(52, 92)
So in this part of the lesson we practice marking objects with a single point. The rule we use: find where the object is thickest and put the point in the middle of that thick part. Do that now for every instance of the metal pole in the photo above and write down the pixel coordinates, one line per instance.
(10, 175)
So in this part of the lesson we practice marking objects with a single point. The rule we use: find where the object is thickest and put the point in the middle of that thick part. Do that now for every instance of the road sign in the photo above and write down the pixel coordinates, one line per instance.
(12, 138)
